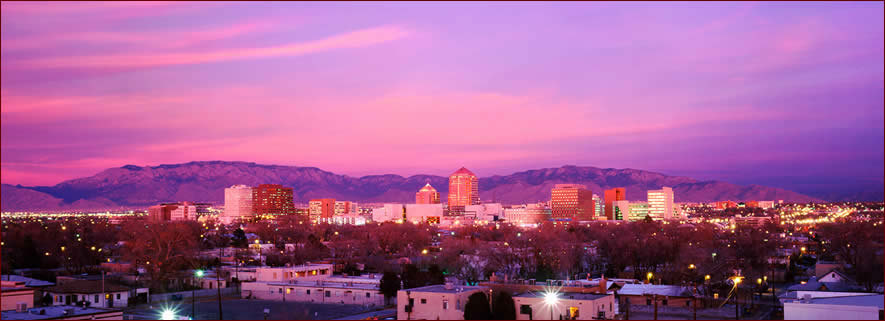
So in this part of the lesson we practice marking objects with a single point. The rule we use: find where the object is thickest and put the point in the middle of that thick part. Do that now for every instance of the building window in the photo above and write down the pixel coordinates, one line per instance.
(664, 302)
(308, 291)
(118, 296)
(423, 301)
(368, 294)
(445, 304)
(647, 301)
(600, 315)
(280, 290)
(96, 298)
(328, 294)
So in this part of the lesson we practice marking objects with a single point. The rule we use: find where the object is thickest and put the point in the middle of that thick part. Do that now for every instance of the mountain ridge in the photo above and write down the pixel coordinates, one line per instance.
(141, 186)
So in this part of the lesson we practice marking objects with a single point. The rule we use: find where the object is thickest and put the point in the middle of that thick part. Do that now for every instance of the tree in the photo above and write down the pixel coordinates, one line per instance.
(239, 239)
(503, 306)
(435, 275)
(477, 307)
(390, 284)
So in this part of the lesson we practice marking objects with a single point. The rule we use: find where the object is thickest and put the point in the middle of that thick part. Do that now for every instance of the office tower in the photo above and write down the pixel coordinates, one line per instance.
(272, 199)
(343, 207)
(427, 195)
(611, 195)
(237, 203)
(660, 203)
(463, 188)
(637, 210)
(321, 208)
(571, 201)
(598, 208)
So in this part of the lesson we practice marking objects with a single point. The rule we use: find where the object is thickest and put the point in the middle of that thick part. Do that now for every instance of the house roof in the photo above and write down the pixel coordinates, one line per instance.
(29, 282)
(86, 287)
(814, 285)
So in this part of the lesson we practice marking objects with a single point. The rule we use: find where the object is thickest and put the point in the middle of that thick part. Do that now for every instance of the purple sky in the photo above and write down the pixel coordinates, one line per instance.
(780, 94)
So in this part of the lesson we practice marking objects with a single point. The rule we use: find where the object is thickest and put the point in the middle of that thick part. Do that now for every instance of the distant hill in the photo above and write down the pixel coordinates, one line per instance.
(136, 186)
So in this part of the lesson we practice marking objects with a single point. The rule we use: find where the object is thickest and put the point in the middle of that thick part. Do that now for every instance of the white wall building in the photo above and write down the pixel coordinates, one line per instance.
(485, 212)
(660, 203)
(313, 283)
(434, 302)
(566, 306)
(237, 203)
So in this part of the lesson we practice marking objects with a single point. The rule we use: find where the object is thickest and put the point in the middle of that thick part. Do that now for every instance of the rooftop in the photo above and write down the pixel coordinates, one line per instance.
(875, 300)
(440, 288)
(463, 171)
(564, 295)
(85, 287)
(53, 312)
(641, 289)
(28, 281)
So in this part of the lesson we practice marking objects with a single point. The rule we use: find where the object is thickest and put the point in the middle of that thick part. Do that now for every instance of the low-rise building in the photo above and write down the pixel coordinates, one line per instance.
(63, 313)
(96, 293)
(666, 295)
(564, 306)
(859, 307)
(434, 302)
(15, 296)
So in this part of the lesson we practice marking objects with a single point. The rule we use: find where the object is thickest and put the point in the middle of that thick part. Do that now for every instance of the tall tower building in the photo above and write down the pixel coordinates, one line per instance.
(660, 203)
(321, 208)
(598, 208)
(463, 188)
(237, 203)
(272, 199)
(571, 201)
(427, 195)
(611, 195)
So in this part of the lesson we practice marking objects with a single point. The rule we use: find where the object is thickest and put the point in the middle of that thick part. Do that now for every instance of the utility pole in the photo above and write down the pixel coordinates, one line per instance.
(655, 298)
(694, 304)
(218, 286)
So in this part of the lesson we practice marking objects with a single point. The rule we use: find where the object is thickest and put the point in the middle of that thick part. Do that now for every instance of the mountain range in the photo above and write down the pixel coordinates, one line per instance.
(133, 186)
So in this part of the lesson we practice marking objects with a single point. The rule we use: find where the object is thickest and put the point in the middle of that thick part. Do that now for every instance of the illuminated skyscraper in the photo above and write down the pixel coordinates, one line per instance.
(598, 206)
(427, 195)
(321, 208)
(611, 195)
(463, 188)
(237, 203)
(660, 203)
(572, 201)
(272, 199)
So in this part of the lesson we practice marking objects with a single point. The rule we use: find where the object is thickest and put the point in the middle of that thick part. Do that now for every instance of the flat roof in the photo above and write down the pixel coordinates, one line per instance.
(334, 285)
(440, 288)
(875, 300)
(564, 295)
(53, 312)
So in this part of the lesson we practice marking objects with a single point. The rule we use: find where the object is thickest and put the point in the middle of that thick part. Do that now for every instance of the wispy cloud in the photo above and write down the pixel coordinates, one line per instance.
(153, 40)
(354, 39)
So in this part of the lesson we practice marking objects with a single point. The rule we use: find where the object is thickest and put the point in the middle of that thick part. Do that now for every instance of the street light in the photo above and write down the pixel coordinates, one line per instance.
(691, 266)
(551, 299)
(167, 315)
(199, 274)
(648, 277)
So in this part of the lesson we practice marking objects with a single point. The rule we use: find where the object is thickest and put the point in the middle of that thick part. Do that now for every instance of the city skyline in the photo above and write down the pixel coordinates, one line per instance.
(773, 94)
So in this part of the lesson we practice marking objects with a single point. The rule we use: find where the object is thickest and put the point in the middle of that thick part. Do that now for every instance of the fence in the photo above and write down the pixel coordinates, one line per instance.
(175, 296)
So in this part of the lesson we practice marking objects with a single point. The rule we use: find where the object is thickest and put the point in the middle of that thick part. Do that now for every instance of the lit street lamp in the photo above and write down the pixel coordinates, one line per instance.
(199, 274)
(551, 299)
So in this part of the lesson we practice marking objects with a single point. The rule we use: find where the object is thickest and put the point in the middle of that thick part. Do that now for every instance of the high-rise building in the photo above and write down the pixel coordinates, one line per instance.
(660, 203)
(161, 213)
(621, 210)
(572, 201)
(343, 207)
(611, 195)
(427, 195)
(272, 199)
(638, 211)
(599, 207)
(463, 188)
(188, 211)
(321, 208)
(528, 214)
(237, 203)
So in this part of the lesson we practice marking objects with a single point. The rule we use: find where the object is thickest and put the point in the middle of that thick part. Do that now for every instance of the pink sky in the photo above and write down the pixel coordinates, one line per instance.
(744, 92)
